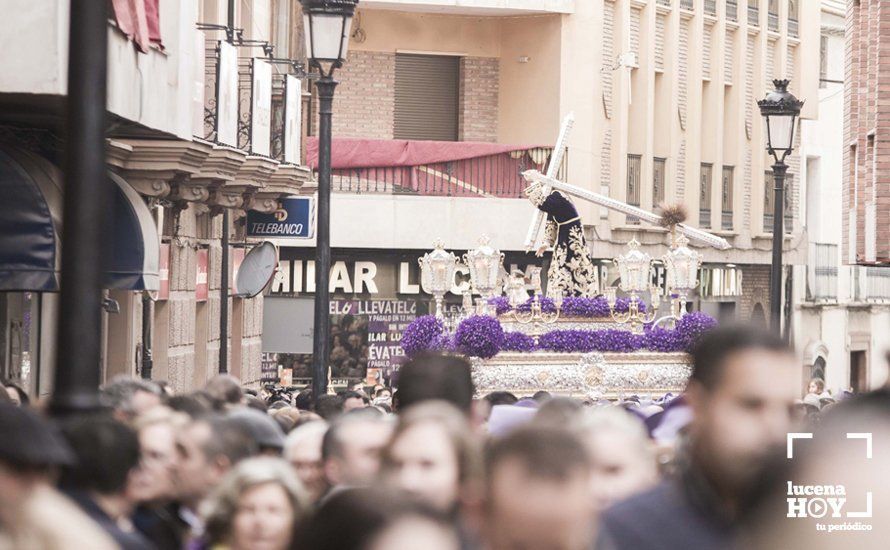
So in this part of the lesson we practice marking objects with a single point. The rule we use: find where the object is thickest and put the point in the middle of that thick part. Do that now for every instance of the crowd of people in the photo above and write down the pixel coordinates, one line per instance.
(431, 467)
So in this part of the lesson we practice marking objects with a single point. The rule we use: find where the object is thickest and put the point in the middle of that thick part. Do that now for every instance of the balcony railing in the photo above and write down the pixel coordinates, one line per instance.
(726, 221)
(687, 4)
(754, 16)
(498, 175)
(704, 217)
(822, 272)
(666, 3)
(732, 10)
(711, 7)
(793, 27)
(871, 284)
(773, 21)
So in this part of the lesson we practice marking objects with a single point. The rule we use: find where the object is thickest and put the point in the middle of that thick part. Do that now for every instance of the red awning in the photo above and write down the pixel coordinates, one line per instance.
(367, 153)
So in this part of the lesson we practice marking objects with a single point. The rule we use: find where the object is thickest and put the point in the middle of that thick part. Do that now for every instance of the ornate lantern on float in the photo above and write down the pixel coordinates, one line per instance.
(681, 266)
(485, 266)
(634, 269)
(437, 270)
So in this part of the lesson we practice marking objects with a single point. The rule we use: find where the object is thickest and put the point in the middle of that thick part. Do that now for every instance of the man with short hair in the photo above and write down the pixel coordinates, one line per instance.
(106, 451)
(225, 390)
(350, 450)
(302, 449)
(208, 449)
(436, 377)
(131, 397)
(538, 492)
(353, 400)
(741, 392)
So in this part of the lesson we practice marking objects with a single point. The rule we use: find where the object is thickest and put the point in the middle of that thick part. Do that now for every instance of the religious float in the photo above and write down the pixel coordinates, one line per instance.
(573, 336)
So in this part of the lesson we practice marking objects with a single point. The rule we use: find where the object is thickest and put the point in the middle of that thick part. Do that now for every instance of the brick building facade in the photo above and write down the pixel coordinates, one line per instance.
(867, 123)
(364, 104)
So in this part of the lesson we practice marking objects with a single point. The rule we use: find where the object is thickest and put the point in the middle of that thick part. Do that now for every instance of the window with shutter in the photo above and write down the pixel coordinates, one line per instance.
(727, 197)
(426, 97)
(658, 169)
(634, 167)
(704, 207)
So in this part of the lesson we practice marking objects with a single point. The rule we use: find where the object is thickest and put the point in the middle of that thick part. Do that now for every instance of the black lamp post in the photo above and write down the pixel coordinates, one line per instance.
(780, 109)
(327, 25)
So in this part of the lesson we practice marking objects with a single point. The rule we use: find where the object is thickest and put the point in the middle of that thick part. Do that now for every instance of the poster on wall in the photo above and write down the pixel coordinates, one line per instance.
(365, 340)
(261, 107)
(201, 276)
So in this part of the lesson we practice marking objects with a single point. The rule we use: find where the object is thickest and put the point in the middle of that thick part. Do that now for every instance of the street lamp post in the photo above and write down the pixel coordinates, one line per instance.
(780, 109)
(327, 25)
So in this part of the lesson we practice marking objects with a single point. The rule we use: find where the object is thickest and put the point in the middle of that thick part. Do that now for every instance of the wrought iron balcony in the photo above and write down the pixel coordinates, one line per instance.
(666, 3)
(822, 272)
(871, 284)
(498, 175)
(704, 218)
(793, 27)
(727, 221)
(687, 4)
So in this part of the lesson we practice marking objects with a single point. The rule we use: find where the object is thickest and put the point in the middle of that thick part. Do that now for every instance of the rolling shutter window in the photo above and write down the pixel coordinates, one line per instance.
(426, 97)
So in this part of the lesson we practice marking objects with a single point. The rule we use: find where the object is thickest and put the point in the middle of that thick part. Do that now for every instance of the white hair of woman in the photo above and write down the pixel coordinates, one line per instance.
(231, 521)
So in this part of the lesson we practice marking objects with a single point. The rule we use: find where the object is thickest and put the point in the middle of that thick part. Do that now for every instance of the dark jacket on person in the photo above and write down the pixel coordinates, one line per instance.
(162, 526)
(683, 513)
(127, 540)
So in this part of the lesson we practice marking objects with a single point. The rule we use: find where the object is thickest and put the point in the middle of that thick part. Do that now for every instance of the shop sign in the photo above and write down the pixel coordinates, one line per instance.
(294, 220)
(201, 276)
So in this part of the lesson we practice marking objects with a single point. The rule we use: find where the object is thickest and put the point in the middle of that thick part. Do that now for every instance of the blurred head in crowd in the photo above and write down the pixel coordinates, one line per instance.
(29, 448)
(816, 386)
(622, 456)
(558, 412)
(351, 448)
(16, 394)
(266, 433)
(741, 392)
(433, 455)
(436, 377)
(375, 519)
(208, 448)
(353, 400)
(501, 398)
(225, 390)
(538, 491)
(106, 451)
(131, 397)
(194, 404)
(329, 406)
(255, 506)
(302, 449)
(154, 480)
(303, 400)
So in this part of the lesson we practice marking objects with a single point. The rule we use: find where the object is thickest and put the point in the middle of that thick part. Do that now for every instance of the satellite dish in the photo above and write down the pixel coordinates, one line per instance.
(256, 270)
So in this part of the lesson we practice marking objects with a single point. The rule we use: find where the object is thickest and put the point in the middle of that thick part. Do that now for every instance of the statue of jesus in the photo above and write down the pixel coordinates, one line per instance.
(571, 272)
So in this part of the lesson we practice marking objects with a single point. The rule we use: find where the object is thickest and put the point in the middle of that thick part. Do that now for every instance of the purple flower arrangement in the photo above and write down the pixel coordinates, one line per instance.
(518, 341)
(572, 306)
(479, 336)
(423, 334)
(482, 336)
